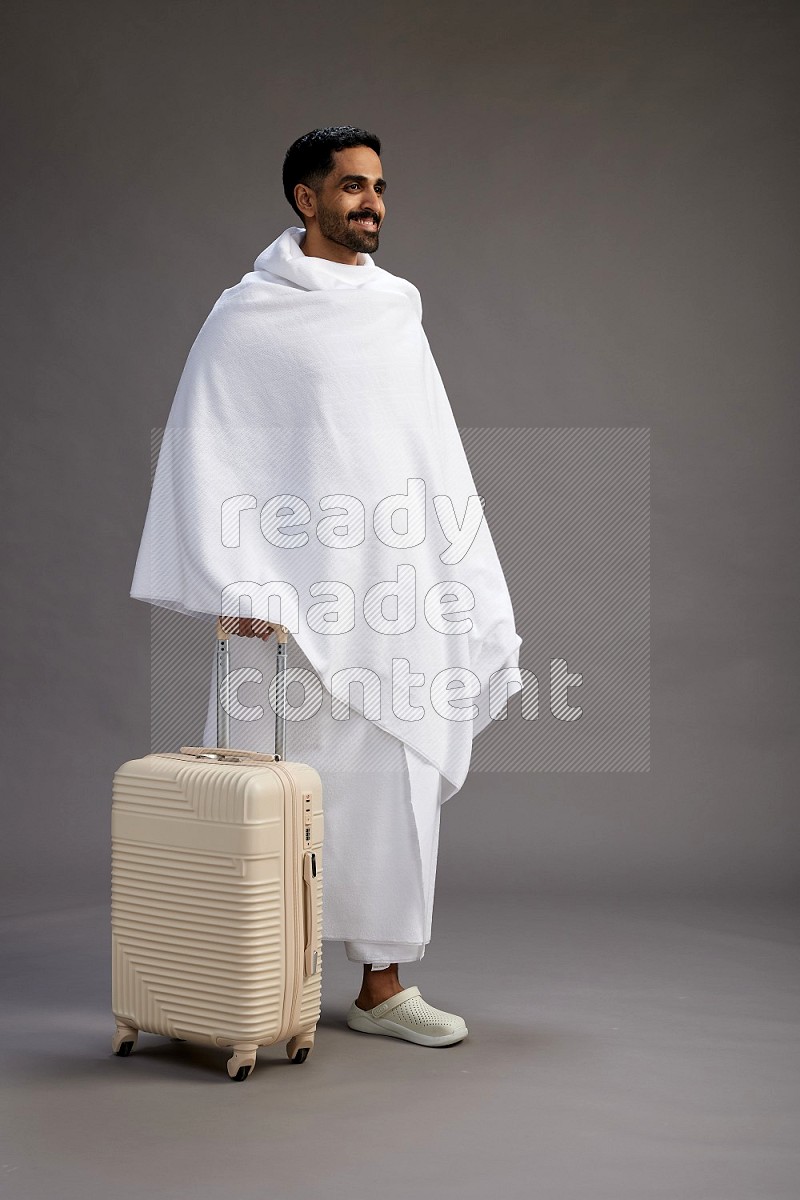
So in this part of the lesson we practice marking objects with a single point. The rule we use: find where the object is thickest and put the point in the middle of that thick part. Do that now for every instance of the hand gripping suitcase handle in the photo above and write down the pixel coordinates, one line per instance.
(223, 663)
(281, 631)
(310, 885)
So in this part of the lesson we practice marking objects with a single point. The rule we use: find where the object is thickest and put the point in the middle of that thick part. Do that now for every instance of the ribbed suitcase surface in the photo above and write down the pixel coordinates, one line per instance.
(217, 902)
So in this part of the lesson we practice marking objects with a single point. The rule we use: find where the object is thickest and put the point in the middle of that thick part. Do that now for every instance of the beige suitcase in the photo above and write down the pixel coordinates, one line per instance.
(216, 894)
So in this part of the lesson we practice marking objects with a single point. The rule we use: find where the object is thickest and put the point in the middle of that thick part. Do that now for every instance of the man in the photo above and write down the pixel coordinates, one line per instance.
(312, 385)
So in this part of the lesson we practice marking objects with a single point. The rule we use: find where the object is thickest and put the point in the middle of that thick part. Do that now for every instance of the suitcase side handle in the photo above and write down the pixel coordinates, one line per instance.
(222, 752)
(310, 886)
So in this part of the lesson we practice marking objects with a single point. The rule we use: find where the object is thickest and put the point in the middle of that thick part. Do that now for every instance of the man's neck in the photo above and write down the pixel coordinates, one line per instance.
(316, 245)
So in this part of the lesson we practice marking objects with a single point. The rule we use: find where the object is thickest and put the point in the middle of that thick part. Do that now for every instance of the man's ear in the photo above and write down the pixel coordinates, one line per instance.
(306, 201)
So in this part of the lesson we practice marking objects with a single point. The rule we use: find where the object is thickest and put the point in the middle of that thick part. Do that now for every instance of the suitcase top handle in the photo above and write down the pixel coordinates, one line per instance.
(222, 754)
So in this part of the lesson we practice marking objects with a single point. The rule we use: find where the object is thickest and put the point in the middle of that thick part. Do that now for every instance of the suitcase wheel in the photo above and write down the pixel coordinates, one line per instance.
(242, 1062)
(299, 1047)
(124, 1040)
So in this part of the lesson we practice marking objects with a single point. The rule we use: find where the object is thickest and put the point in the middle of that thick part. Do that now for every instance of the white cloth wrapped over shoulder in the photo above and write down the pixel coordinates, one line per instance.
(311, 474)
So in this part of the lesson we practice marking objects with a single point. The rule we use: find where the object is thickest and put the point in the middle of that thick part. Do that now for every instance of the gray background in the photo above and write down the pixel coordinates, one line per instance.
(598, 202)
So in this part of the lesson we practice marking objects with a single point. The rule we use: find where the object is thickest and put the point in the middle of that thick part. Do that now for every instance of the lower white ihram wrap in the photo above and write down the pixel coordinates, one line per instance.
(311, 456)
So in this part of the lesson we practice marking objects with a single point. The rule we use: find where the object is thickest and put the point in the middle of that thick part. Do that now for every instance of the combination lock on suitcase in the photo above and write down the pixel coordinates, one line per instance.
(216, 893)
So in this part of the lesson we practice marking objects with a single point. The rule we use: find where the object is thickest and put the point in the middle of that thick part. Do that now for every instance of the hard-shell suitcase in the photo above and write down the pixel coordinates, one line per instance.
(216, 893)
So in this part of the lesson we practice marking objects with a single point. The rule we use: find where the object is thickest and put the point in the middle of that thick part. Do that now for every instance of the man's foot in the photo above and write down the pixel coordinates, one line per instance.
(406, 1015)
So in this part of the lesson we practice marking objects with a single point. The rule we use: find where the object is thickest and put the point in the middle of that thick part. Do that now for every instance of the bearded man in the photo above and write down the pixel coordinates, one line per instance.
(309, 415)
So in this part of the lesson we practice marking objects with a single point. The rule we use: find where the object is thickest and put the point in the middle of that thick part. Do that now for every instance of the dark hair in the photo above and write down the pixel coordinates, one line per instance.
(310, 158)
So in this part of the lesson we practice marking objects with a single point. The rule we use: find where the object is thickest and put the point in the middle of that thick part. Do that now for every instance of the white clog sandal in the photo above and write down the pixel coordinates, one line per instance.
(408, 1016)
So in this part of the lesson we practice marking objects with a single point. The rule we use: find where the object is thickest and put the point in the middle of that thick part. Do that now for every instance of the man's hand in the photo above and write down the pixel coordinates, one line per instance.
(246, 627)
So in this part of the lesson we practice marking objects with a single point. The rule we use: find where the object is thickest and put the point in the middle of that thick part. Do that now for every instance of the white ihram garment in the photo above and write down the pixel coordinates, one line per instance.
(309, 422)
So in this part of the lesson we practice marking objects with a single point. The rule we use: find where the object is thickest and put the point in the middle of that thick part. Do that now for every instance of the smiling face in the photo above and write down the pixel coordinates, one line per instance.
(348, 208)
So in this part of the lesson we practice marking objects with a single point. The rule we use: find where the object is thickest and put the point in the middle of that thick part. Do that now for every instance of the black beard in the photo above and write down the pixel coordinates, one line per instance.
(345, 232)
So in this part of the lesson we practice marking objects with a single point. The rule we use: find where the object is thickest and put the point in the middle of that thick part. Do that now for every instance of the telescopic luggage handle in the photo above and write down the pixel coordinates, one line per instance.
(223, 669)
